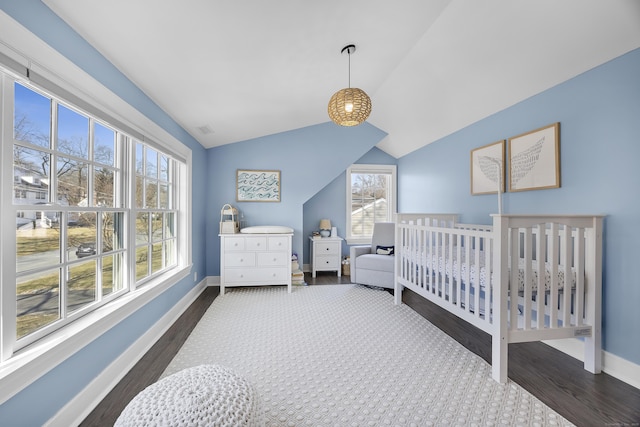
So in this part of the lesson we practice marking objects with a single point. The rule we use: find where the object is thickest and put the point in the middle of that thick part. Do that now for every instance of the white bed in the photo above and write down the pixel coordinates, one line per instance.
(480, 272)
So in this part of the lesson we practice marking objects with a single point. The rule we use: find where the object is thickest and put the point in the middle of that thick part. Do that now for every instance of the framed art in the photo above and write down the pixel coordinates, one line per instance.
(487, 168)
(257, 185)
(534, 159)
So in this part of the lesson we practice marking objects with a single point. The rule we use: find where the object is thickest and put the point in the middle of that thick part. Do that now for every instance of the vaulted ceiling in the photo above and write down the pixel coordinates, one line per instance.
(232, 70)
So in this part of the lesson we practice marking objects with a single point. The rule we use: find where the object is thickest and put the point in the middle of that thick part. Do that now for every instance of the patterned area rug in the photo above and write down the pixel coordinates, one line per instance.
(345, 355)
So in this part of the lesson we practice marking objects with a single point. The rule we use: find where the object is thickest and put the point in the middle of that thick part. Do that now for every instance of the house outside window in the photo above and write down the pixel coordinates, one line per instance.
(371, 198)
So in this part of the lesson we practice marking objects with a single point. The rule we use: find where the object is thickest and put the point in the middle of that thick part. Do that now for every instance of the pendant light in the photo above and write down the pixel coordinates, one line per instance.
(349, 106)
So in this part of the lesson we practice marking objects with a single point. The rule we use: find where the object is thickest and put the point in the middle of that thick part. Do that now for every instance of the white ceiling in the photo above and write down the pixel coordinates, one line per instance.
(248, 68)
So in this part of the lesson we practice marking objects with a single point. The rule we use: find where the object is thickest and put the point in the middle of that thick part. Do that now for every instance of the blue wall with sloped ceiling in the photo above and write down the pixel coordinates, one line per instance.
(331, 203)
(599, 115)
(307, 158)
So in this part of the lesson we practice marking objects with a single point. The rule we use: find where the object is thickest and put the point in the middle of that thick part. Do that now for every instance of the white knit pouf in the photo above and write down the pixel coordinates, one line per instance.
(205, 395)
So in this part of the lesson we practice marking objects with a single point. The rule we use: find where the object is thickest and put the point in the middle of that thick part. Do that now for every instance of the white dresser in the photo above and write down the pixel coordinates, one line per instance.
(325, 254)
(255, 260)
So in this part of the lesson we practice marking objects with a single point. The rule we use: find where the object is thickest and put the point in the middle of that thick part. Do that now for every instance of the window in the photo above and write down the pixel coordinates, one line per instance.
(86, 229)
(371, 198)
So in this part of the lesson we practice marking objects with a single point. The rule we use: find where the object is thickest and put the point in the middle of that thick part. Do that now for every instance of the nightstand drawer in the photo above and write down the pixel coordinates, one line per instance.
(328, 248)
(327, 262)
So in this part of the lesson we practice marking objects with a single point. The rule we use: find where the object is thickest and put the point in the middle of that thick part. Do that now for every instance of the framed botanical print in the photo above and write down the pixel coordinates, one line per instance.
(534, 159)
(487, 168)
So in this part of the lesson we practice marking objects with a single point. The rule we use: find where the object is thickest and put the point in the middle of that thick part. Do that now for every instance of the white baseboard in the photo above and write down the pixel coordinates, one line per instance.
(77, 409)
(213, 280)
(613, 365)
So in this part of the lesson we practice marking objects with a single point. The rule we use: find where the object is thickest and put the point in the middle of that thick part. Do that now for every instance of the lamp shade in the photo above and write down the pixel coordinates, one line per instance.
(325, 224)
(349, 107)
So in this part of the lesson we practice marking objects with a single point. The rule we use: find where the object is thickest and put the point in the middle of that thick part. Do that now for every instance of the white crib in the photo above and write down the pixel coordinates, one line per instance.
(525, 278)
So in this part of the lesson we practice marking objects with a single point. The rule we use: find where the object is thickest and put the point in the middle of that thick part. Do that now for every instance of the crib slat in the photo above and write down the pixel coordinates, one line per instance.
(513, 279)
(566, 261)
(448, 296)
(488, 264)
(528, 276)
(476, 288)
(458, 272)
(579, 252)
(541, 250)
(553, 263)
(467, 274)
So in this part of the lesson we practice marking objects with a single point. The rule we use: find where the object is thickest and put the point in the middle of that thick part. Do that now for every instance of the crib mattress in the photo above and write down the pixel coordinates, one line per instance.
(437, 263)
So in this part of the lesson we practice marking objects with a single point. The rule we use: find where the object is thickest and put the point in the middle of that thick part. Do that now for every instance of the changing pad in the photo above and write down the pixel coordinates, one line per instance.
(267, 229)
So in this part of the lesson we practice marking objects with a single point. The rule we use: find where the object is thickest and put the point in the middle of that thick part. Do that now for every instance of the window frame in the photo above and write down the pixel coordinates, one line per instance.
(382, 169)
(20, 368)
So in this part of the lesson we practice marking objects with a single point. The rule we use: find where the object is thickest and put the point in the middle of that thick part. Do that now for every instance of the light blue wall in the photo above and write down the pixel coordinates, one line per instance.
(308, 159)
(42, 399)
(599, 115)
(330, 202)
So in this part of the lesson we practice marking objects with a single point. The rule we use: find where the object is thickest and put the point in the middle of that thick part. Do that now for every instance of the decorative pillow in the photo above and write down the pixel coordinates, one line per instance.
(384, 250)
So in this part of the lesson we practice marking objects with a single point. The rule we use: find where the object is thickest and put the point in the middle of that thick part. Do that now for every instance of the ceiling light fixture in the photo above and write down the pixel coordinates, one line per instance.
(349, 106)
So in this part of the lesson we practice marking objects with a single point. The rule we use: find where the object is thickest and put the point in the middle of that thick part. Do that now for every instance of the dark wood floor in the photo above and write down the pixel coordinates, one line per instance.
(553, 377)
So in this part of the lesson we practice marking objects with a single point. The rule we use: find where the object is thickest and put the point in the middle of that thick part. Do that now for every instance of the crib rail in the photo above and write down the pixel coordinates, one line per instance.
(524, 278)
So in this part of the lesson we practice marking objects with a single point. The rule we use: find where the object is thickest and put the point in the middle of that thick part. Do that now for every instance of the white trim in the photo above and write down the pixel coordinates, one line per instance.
(77, 409)
(31, 363)
(613, 365)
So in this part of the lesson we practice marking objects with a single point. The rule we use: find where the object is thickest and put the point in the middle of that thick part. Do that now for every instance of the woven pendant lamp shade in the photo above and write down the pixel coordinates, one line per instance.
(350, 106)
(353, 99)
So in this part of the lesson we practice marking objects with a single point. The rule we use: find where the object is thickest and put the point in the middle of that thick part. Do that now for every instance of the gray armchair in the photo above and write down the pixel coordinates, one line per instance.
(371, 268)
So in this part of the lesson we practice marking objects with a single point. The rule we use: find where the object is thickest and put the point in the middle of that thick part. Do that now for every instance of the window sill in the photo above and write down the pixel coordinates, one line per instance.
(35, 360)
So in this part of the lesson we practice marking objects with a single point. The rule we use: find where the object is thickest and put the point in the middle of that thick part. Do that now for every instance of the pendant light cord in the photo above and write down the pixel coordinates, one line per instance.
(349, 53)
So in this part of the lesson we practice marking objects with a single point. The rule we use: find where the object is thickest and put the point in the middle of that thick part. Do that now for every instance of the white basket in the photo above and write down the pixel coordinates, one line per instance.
(229, 220)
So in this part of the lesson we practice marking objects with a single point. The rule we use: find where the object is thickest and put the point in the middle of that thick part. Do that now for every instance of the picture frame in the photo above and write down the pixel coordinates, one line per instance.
(487, 168)
(257, 185)
(534, 159)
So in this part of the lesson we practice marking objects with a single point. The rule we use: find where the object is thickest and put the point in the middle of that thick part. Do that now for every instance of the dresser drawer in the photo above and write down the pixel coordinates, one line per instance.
(234, 244)
(278, 243)
(327, 262)
(272, 259)
(328, 248)
(256, 243)
(257, 275)
(240, 259)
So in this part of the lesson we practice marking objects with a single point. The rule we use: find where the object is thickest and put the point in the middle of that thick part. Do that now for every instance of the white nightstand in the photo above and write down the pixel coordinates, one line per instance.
(326, 253)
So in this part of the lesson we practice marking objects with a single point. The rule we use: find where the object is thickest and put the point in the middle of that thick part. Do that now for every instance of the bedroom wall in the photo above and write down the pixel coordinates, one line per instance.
(308, 158)
(330, 202)
(39, 401)
(599, 115)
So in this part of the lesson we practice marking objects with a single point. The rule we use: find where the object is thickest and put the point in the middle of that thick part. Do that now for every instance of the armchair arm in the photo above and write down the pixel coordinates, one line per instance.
(355, 252)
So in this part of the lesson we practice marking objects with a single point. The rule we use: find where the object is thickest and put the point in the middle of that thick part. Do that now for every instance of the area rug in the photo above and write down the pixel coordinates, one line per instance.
(345, 355)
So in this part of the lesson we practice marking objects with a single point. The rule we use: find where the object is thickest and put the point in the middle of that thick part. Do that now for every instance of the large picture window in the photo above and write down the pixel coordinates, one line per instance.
(371, 198)
(94, 212)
